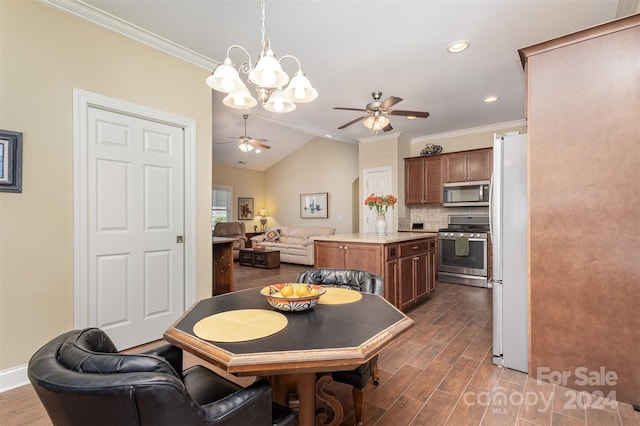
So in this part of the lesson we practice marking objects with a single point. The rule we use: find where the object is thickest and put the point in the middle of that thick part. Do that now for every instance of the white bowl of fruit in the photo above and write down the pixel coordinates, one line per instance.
(293, 296)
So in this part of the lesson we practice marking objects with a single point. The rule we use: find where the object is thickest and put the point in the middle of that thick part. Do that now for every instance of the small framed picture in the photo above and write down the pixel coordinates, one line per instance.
(245, 208)
(10, 161)
(314, 206)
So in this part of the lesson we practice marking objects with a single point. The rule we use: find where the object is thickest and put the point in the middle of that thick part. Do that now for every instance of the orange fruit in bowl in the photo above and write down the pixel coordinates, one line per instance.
(302, 291)
(314, 291)
(286, 291)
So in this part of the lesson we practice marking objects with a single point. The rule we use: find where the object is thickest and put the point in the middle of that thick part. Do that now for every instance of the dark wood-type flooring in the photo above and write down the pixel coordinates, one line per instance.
(438, 373)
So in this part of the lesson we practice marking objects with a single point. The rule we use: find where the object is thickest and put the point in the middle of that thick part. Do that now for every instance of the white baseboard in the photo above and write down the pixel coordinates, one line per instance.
(13, 378)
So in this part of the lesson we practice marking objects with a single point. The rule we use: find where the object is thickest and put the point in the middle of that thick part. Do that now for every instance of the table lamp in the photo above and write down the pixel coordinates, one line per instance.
(263, 213)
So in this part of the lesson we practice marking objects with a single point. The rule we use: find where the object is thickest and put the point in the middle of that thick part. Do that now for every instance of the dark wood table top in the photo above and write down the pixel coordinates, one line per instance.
(324, 338)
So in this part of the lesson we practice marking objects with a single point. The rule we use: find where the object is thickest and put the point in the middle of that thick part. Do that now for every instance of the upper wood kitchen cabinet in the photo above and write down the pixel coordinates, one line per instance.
(423, 180)
(468, 165)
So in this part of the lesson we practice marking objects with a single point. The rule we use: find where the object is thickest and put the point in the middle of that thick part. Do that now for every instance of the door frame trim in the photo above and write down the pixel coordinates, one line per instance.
(82, 101)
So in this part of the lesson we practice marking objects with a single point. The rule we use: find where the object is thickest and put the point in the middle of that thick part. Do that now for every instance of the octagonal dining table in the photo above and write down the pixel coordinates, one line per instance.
(328, 337)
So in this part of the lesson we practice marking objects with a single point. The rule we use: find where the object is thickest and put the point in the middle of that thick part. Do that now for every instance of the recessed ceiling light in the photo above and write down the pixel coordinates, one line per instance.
(458, 46)
(411, 117)
(490, 99)
(328, 136)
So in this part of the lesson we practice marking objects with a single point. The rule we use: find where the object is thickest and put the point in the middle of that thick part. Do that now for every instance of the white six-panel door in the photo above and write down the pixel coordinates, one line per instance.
(377, 181)
(135, 212)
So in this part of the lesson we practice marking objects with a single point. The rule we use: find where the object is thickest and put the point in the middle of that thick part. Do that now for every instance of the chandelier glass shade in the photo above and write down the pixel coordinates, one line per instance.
(267, 76)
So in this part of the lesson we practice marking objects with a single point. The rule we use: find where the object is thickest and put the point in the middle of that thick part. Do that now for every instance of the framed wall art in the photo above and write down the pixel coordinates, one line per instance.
(10, 161)
(314, 206)
(245, 208)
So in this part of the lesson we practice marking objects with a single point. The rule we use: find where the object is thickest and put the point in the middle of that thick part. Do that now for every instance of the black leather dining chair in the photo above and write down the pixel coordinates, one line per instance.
(365, 282)
(82, 379)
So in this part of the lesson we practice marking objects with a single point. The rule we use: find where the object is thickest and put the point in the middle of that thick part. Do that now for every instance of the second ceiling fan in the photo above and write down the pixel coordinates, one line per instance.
(375, 118)
(247, 143)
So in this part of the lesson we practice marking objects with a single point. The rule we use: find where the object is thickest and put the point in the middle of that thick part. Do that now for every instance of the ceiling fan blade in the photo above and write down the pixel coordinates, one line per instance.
(387, 128)
(391, 101)
(421, 114)
(260, 140)
(350, 109)
(224, 143)
(261, 145)
(352, 122)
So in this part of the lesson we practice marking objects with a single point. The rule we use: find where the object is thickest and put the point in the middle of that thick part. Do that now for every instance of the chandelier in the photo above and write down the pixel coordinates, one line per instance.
(267, 76)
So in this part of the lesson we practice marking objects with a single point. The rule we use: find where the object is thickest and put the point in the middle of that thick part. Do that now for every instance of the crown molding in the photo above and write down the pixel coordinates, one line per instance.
(122, 27)
(380, 137)
(470, 131)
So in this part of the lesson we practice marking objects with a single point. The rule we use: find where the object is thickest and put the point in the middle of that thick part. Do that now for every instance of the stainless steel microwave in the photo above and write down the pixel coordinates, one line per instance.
(466, 194)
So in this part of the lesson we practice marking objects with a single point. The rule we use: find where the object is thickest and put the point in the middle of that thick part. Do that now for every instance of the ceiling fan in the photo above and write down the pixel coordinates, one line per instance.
(375, 119)
(247, 143)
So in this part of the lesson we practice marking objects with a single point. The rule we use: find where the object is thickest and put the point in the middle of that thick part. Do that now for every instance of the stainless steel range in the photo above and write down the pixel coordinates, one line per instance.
(463, 254)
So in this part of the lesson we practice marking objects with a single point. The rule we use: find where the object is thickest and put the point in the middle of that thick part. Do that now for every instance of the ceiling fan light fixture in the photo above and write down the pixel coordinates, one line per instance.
(300, 89)
(376, 123)
(245, 147)
(278, 102)
(490, 99)
(458, 46)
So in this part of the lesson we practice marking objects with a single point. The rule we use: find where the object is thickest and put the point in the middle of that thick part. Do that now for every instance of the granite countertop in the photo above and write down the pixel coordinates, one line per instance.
(372, 238)
(429, 231)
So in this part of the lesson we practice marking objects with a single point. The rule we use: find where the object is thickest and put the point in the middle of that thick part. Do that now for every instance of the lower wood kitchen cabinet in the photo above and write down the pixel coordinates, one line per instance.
(416, 272)
(406, 261)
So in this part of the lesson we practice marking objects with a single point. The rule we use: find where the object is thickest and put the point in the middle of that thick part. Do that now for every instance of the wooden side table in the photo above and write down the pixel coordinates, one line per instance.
(266, 259)
(249, 243)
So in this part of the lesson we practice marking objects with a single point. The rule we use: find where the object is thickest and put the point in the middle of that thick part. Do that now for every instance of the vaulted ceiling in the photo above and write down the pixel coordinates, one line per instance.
(350, 48)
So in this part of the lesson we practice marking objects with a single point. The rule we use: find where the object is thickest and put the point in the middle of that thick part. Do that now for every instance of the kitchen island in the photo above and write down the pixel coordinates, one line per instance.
(406, 261)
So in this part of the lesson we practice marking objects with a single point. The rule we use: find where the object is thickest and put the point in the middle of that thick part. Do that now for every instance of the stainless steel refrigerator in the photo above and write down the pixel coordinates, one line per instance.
(508, 225)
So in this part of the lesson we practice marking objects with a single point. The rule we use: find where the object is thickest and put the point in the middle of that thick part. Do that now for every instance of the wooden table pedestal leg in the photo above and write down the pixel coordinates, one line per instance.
(304, 385)
(330, 411)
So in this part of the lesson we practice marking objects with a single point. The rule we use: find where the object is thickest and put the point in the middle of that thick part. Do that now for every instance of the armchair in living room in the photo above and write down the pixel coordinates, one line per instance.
(232, 230)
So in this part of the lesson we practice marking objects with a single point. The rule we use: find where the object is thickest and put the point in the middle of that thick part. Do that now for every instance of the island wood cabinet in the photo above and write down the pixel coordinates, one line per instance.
(408, 267)
(423, 180)
(468, 165)
(416, 272)
(349, 255)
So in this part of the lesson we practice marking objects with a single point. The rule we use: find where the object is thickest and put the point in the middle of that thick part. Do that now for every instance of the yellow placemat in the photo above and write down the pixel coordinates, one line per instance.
(240, 325)
(337, 296)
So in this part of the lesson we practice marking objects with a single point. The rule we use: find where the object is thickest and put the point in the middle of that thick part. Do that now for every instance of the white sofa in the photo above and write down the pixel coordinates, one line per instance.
(294, 243)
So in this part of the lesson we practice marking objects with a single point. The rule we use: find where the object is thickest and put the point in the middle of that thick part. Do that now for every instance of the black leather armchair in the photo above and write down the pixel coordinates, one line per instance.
(81, 379)
(365, 282)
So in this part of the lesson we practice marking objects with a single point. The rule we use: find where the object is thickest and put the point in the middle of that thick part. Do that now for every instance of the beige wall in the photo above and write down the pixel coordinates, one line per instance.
(45, 55)
(322, 165)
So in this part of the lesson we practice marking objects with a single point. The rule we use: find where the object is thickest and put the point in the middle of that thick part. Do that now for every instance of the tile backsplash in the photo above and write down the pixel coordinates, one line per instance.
(434, 217)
